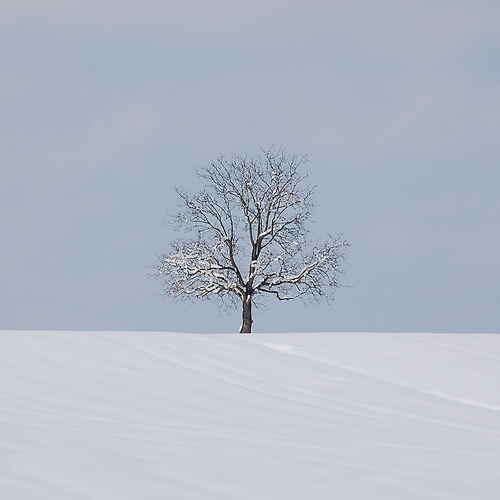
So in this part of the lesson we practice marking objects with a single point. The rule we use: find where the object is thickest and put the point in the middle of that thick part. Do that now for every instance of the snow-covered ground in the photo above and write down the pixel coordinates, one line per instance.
(157, 416)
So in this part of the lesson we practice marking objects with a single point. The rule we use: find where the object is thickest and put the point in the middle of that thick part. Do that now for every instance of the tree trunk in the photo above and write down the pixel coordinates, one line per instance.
(246, 326)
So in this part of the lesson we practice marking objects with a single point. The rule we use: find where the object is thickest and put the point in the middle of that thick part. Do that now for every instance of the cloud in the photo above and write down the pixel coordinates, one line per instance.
(389, 27)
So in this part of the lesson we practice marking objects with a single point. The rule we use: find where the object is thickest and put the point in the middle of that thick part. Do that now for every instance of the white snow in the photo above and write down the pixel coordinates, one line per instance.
(147, 416)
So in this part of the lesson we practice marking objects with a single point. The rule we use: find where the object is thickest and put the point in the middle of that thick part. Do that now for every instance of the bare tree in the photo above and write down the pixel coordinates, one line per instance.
(249, 237)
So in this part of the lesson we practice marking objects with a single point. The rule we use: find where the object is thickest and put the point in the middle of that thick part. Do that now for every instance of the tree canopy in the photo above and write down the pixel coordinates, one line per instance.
(245, 236)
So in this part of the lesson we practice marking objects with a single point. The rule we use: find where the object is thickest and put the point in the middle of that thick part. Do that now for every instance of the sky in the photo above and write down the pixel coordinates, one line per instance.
(106, 106)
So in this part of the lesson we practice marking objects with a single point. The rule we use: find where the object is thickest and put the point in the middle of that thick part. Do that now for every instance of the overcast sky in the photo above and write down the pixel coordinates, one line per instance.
(106, 105)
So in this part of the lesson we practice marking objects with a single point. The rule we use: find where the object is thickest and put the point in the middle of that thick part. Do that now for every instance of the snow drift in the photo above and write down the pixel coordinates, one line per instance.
(107, 415)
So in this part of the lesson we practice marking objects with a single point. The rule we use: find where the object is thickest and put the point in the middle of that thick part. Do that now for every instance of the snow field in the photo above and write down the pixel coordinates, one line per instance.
(121, 415)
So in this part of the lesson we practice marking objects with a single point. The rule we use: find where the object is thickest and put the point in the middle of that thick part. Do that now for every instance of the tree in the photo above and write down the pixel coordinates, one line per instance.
(246, 237)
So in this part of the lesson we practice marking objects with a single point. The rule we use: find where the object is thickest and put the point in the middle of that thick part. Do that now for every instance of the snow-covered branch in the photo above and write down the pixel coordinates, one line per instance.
(195, 269)
(314, 275)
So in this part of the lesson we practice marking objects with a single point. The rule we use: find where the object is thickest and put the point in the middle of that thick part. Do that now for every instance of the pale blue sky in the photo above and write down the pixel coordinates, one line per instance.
(107, 105)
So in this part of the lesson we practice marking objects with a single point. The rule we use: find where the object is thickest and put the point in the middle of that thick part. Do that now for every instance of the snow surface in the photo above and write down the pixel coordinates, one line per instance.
(149, 416)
